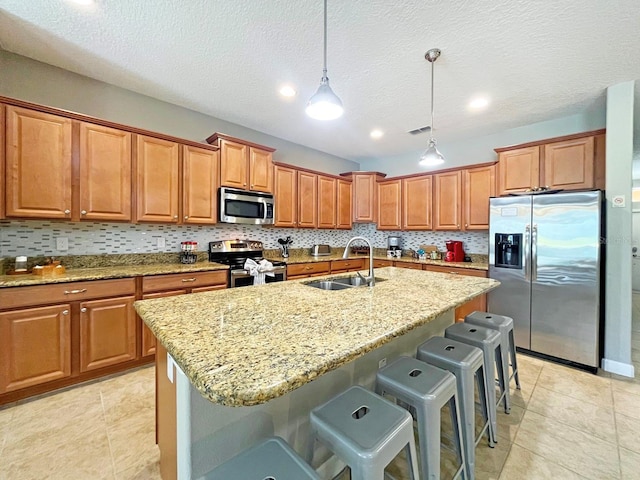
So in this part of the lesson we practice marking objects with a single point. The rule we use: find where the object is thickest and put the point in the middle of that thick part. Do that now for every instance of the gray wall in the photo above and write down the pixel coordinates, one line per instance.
(37, 82)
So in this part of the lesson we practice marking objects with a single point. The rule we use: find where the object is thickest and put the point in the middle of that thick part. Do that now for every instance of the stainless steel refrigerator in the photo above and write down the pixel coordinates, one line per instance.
(546, 249)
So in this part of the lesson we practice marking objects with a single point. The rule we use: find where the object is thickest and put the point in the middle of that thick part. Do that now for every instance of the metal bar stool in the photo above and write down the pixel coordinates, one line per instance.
(467, 364)
(505, 326)
(272, 459)
(365, 431)
(427, 389)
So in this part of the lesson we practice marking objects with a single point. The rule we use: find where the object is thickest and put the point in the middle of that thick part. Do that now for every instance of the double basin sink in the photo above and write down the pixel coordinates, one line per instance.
(340, 283)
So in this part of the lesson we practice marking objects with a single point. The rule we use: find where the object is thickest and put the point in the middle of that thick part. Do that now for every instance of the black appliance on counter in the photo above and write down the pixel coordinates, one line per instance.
(235, 252)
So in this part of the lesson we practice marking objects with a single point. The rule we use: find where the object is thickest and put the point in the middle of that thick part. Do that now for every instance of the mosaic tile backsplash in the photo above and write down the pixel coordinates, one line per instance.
(33, 237)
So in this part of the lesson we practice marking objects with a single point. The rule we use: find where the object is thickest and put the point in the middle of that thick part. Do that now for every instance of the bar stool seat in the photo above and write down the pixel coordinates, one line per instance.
(272, 459)
(427, 389)
(504, 325)
(365, 431)
(467, 364)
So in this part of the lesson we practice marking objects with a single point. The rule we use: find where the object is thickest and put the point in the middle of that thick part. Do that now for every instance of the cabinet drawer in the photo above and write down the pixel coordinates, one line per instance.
(457, 271)
(382, 263)
(346, 265)
(308, 269)
(184, 280)
(16, 297)
(415, 266)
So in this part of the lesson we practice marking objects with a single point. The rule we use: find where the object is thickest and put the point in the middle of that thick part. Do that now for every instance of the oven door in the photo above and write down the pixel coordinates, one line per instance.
(240, 278)
(237, 206)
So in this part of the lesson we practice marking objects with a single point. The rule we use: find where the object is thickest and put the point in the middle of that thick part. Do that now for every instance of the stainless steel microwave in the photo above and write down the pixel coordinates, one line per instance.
(239, 206)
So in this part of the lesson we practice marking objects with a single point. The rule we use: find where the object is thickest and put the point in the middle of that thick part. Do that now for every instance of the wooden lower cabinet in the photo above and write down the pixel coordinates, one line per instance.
(414, 266)
(107, 332)
(166, 410)
(303, 270)
(148, 339)
(35, 346)
(347, 265)
(478, 303)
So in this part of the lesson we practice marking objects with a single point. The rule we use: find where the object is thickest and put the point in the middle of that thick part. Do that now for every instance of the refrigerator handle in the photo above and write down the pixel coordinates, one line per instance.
(534, 253)
(525, 261)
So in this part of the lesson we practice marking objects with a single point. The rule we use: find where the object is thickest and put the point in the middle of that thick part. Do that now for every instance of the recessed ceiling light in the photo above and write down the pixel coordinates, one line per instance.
(84, 3)
(376, 134)
(288, 91)
(479, 103)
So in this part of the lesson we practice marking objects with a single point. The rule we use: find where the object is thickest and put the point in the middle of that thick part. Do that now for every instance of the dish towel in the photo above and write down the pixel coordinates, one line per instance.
(259, 270)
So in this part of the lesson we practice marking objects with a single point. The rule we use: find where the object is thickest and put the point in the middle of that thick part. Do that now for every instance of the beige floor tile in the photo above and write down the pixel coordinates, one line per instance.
(127, 400)
(624, 384)
(626, 403)
(489, 461)
(521, 464)
(628, 430)
(629, 464)
(150, 471)
(133, 443)
(593, 419)
(577, 384)
(570, 448)
(508, 424)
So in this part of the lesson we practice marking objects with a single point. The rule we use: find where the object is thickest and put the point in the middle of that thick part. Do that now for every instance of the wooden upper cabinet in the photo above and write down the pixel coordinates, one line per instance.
(35, 346)
(365, 196)
(569, 164)
(307, 200)
(285, 197)
(417, 195)
(326, 202)
(2, 160)
(157, 180)
(260, 170)
(199, 185)
(343, 210)
(518, 170)
(479, 186)
(233, 164)
(107, 332)
(105, 173)
(448, 200)
(390, 205)
(38, 164)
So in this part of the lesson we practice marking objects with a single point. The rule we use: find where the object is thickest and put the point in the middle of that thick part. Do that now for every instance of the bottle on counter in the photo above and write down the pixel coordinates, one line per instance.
(21, 264)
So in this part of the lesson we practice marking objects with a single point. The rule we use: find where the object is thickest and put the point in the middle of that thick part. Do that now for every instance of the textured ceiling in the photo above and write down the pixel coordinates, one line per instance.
(536, 59)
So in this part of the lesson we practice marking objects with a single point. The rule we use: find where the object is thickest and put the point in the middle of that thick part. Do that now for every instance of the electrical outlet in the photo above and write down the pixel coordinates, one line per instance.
(382, 363)
(62, 244)
(160, 242)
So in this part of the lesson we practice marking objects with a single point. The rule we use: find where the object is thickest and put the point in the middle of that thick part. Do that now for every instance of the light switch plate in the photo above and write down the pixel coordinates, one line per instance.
(62, 244)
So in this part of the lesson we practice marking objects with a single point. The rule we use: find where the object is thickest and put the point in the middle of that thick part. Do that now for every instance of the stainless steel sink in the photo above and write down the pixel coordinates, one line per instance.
(340, 283)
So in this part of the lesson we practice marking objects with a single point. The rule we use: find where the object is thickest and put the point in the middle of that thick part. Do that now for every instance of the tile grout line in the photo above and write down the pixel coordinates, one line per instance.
(106, 426)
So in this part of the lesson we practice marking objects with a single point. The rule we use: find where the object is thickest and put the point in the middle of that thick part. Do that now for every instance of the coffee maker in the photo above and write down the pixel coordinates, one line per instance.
(455, 252)
(394, 247)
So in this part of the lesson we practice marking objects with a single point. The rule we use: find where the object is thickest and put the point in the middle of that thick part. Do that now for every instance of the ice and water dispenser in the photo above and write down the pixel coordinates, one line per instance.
(508, 250)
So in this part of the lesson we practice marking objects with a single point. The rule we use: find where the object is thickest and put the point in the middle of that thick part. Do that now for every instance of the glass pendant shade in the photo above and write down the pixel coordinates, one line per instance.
(324, 104)
(431, 156)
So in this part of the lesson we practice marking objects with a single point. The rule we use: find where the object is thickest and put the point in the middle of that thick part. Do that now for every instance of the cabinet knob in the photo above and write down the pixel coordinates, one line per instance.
(65, 312)
(67, 212)
(83, 310)
(175, 217)
(245, 184)
(83, 212)
(251, 186)
(466, 225)
(186, 217)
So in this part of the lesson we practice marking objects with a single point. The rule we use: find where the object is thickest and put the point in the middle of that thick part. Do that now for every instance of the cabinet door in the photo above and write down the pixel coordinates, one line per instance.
(157, 180)
(2, 160)
(233, 164)
(569, 164)
(518, 170)
(417, 195)
(148, 338)
(448, 200)
(390, 205)
(307, 200)
(326, 202)
(107, 332)
(38, 164)
(479, 185)
(285, 197)
(35, 346)
(200, 185)
(343, 209)
(105, 173)
(364, 198)
(260, 170)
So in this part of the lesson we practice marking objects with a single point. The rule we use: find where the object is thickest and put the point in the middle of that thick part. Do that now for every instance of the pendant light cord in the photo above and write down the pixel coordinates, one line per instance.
(431, 98)
(324, 70)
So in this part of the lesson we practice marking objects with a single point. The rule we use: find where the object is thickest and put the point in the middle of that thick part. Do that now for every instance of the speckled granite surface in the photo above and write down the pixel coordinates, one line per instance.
(245, 346)
(101, 273)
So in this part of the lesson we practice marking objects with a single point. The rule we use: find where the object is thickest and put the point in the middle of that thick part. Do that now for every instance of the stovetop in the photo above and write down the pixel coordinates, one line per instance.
(235, 252)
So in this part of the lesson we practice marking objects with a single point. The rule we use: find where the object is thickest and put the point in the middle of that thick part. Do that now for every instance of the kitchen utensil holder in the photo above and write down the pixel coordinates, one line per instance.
(188, 257)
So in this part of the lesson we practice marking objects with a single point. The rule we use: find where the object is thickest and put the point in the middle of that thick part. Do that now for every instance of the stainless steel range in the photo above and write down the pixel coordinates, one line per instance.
(235, 252)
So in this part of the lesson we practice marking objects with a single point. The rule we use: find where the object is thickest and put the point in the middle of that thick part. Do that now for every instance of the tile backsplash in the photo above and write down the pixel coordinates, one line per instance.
(33, 237)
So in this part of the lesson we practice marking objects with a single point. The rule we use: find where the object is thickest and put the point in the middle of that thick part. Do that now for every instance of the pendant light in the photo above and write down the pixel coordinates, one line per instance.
(431, 156)
(324, 105)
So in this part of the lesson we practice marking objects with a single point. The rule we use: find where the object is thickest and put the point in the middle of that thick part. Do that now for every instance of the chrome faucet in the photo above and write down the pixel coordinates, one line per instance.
(371, 281)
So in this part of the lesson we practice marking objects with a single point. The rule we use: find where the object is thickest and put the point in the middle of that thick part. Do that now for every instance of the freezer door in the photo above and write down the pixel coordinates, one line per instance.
(565, 308)
(511, 216)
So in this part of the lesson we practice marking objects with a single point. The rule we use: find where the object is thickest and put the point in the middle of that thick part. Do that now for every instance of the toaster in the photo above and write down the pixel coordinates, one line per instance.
(318, 250)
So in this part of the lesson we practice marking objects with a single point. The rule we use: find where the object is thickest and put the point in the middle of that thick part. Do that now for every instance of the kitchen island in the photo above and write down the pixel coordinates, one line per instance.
(278, 350)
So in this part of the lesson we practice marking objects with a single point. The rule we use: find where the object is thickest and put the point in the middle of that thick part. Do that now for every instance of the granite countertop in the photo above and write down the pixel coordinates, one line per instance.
(102, 273)
(246, 346)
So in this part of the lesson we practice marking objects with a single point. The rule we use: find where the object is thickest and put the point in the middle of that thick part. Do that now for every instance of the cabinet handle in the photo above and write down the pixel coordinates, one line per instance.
(83, 310)
(454, 273)
(65, 312)
(83, 212)
(307, 268)
(186, 217)
(185, 280)
(72, 292)
(67, 212)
